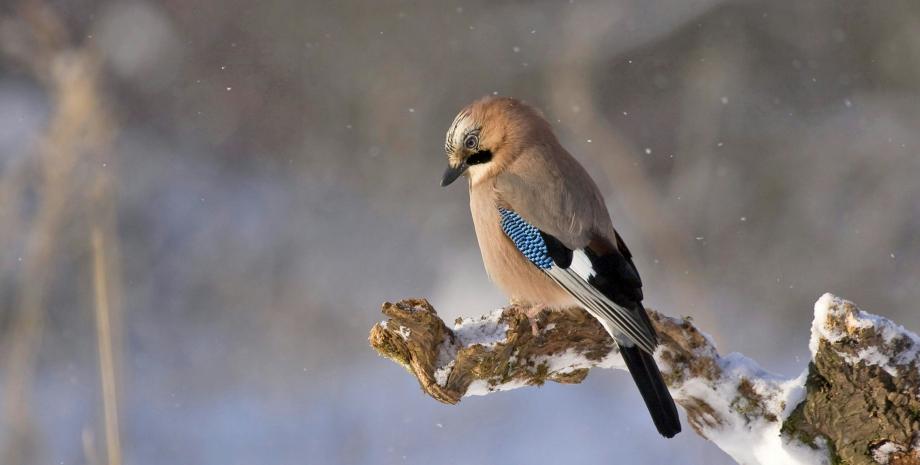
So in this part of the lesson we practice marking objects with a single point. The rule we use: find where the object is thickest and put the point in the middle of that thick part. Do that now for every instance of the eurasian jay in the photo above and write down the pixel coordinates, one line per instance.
(546, 237)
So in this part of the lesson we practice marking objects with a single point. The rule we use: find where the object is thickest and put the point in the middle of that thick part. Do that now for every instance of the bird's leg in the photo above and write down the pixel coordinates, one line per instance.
(533, 314)
(532, 311)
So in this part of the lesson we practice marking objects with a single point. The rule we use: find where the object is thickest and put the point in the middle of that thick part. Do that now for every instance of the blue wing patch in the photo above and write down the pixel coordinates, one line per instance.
(526, 238)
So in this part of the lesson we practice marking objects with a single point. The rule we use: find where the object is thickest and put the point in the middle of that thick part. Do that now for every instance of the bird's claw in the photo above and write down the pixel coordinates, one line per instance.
(533, 315)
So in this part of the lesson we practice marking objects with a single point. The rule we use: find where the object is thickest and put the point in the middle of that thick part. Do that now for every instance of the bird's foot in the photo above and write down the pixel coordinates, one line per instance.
(533, 314)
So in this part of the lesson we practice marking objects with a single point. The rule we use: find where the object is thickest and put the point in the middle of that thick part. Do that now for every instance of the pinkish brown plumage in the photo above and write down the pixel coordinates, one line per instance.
(545, 235)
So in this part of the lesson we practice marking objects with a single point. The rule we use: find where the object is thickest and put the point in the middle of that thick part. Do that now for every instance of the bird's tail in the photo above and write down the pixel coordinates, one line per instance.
(657, 399)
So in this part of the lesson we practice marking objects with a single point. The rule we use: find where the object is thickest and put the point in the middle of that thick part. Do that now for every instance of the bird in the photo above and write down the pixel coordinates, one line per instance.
(546, 237)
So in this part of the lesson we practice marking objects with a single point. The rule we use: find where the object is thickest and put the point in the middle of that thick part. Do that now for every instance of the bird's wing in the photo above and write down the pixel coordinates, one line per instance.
(555, 193)
(601, 277)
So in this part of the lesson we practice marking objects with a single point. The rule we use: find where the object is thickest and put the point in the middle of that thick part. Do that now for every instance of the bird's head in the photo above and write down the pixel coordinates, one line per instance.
(488, 135)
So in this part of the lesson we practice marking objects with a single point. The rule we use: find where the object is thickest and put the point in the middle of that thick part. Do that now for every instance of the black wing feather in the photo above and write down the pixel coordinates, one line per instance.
(618, 279)
(560, 254)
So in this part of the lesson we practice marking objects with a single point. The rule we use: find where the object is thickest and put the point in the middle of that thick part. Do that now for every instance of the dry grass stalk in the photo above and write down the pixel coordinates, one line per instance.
(106, 358)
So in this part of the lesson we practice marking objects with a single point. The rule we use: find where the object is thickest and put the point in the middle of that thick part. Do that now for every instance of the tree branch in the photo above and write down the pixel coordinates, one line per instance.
(858, 402)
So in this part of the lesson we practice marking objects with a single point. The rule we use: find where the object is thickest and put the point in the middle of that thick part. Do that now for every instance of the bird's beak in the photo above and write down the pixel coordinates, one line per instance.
(452, 173)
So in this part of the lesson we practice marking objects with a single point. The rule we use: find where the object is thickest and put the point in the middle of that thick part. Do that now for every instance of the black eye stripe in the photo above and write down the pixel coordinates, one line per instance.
(482, 156)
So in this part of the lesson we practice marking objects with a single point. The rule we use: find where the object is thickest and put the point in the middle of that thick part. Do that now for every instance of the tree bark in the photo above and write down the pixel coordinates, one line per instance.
(857, 402)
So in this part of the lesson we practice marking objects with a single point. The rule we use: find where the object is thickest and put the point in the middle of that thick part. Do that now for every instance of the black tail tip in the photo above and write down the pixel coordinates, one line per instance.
(654, 392)
(666, 420)
(664, 415)
(670, 430)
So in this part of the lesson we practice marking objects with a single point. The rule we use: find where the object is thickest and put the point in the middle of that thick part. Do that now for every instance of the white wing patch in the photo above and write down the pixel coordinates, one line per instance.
(581, 265)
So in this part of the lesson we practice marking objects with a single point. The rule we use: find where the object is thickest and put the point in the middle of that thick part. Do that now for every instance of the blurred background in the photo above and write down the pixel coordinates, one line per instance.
(203, 205)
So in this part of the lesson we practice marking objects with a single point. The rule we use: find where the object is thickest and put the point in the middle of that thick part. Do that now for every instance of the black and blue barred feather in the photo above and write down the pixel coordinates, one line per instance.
(526, 238)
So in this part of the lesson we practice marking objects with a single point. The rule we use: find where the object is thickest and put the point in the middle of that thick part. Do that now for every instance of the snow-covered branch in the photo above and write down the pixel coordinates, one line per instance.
(857, 402)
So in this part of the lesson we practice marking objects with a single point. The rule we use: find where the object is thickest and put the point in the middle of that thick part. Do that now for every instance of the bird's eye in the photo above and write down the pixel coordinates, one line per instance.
(471, 141)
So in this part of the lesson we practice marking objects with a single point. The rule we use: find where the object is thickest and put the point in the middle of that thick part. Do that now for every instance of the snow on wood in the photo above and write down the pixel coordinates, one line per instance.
(857, 401)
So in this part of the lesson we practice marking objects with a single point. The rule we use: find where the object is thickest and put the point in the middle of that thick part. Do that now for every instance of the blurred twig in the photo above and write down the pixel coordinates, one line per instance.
(104, 340)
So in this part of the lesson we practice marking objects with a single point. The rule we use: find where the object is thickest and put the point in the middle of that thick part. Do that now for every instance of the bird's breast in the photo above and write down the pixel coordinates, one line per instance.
(506, 266)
